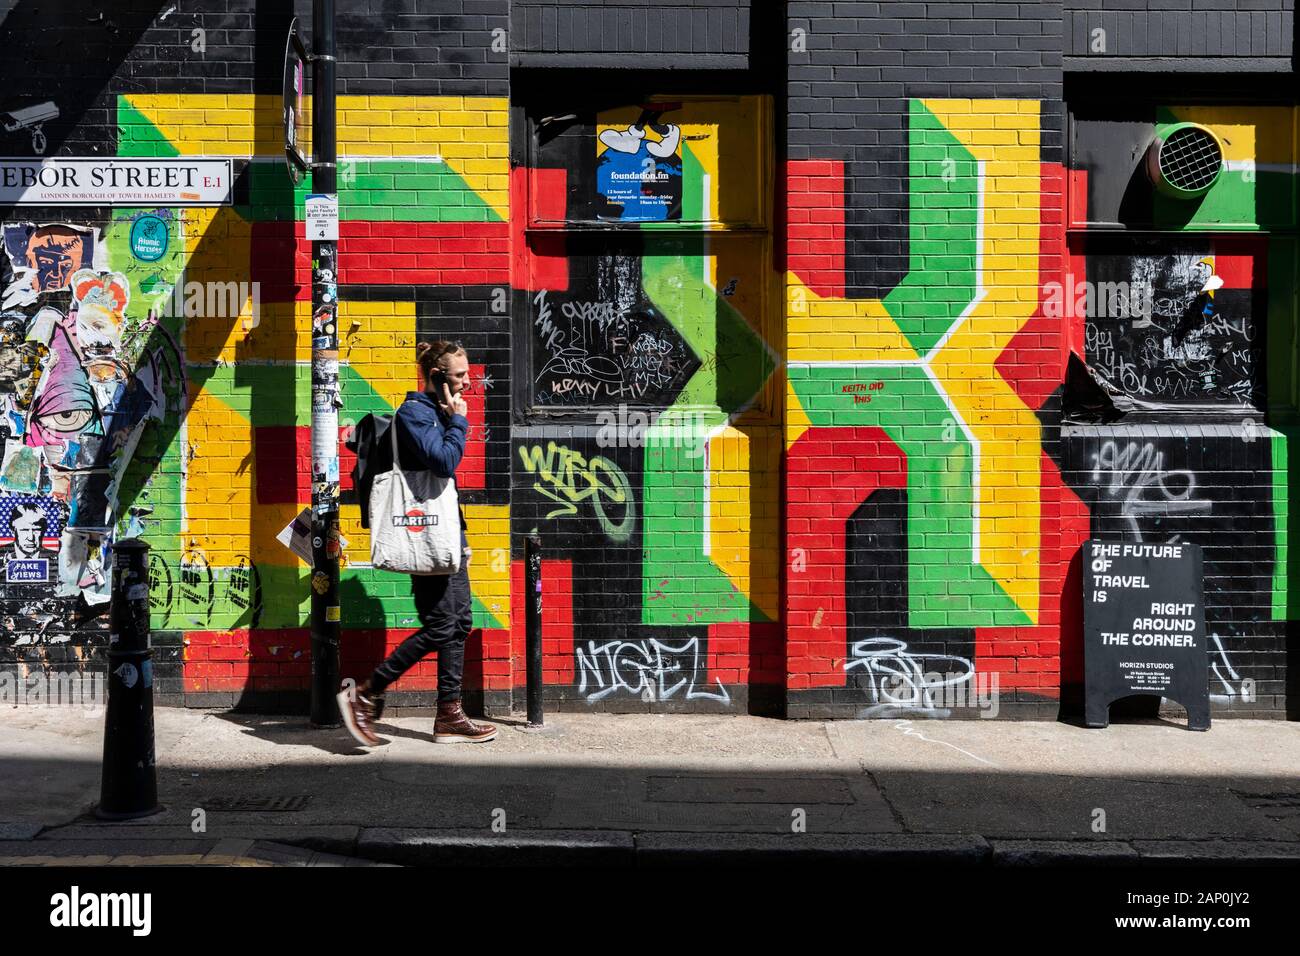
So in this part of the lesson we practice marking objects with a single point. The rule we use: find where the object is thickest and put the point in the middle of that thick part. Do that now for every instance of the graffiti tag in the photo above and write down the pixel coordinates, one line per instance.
(1139, 480)
(897, 678)
(569, 478)
(649, 669)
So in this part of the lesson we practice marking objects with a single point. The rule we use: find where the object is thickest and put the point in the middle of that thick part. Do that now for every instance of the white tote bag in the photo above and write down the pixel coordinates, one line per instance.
(414, 520)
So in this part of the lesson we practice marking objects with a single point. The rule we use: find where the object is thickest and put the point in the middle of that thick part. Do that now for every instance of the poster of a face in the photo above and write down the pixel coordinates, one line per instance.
(28, 525)
(46, 256)
(79, 380)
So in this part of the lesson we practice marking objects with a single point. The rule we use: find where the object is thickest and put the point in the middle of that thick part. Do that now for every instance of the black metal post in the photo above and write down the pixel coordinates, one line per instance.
(325, 395)
(129, 785)
(533, 626)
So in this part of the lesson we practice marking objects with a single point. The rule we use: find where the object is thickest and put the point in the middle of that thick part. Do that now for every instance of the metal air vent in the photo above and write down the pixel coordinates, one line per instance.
(1186, 161)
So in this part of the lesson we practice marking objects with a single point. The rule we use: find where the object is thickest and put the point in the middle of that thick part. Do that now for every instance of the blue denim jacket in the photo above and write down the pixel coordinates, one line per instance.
(428, 439)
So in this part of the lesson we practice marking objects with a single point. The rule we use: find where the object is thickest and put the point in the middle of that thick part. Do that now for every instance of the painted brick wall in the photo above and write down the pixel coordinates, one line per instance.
(1218, 476)
(1188, 35)
(926, 526)
(790, 430)
(1207, 485)
(630, 33)
(424, 185)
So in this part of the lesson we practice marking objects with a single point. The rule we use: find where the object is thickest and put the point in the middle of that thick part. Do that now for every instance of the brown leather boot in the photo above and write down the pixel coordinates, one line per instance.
(360, 712)
(453, 726)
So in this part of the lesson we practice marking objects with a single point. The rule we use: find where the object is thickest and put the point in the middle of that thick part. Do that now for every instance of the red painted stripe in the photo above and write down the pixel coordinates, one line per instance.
(1033, 363)
(815, 224)
(264, 659)
(1241, 261)
(742, 652)
(282, 464)
(818, 504)
(538, 261)
(421, 253)
(1077, 196)
(557, 621)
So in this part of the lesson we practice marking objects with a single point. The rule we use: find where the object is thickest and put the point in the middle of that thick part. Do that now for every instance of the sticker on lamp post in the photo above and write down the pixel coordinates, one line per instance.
(322, 217)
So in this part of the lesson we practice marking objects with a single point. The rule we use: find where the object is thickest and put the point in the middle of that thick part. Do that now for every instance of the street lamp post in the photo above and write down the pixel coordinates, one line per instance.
(322, 229)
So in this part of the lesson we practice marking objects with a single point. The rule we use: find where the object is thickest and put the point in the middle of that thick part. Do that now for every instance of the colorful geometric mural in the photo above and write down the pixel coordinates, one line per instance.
(415, 214)
(910, 388)
(749, 475)
(659, 326)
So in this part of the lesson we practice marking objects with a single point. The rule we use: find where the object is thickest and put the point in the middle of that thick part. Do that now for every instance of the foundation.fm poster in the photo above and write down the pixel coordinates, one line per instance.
(639, 170)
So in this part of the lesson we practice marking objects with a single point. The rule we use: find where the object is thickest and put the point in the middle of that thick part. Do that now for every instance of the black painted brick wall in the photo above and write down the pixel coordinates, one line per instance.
(1196, 29)
(676, 29)
(861, 63)
(1205, 484)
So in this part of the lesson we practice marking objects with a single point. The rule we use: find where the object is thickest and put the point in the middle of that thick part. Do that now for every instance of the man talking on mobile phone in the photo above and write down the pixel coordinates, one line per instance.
(431, 429)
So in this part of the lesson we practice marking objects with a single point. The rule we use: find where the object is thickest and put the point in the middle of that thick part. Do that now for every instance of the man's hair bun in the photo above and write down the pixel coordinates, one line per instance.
(430, 354)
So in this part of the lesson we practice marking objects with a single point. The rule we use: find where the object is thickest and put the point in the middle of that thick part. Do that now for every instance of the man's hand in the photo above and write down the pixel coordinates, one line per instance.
(453, 404)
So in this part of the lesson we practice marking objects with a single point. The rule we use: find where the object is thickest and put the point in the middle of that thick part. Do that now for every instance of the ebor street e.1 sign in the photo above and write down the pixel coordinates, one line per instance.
(106, 181)
(1144, 627)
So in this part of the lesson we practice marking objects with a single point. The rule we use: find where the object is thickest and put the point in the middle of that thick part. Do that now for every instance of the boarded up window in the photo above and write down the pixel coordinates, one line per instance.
(1175, 322)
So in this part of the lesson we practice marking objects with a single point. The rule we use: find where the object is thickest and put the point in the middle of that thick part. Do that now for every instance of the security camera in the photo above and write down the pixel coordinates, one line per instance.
(32, 117)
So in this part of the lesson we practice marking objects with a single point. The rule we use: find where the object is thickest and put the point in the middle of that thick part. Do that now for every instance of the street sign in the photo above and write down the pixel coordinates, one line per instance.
(322, 217)
(297, 152)
(1144, 627)
(131, 181)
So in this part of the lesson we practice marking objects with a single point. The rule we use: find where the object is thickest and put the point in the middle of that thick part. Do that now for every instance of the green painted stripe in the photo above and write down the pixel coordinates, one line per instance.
(280, 394)
(943, 241)
(414, 190)
(369, 598)
(1238, 200)
(273, 394)
(1281, 517)
(372, 191)
(680, 583)
(137, 135)
(152, 479)
(945, 587)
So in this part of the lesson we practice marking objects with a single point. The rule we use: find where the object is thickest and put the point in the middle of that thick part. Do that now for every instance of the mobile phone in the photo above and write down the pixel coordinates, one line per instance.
(437, 379)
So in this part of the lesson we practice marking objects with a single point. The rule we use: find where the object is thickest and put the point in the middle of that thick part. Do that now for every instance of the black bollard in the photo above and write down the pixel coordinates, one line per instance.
(533, 626)
(129, 786)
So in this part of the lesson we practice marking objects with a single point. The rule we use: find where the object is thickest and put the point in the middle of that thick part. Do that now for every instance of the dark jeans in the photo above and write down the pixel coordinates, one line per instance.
(445, 609)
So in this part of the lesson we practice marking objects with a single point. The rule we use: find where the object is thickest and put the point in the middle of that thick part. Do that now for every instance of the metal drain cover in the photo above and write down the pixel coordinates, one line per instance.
(258, 804)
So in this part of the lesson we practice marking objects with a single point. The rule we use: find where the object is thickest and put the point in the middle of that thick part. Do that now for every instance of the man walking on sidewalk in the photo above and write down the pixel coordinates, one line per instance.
(431, 428)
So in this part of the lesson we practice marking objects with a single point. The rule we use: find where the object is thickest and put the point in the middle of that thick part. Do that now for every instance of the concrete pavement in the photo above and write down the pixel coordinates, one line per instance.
(664, 789)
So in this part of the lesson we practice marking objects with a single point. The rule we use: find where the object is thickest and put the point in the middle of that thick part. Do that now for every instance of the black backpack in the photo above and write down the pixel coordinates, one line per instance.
(369, 442)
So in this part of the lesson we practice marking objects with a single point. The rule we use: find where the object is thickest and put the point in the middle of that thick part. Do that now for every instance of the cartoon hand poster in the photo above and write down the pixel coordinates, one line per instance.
(639, 170)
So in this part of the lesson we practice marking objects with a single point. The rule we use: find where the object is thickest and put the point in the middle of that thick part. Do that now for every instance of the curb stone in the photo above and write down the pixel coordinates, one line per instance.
(339, 839)
(1222, 852)
(452, 847)
(654, 849)
(20, 831)
(1062, 852)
